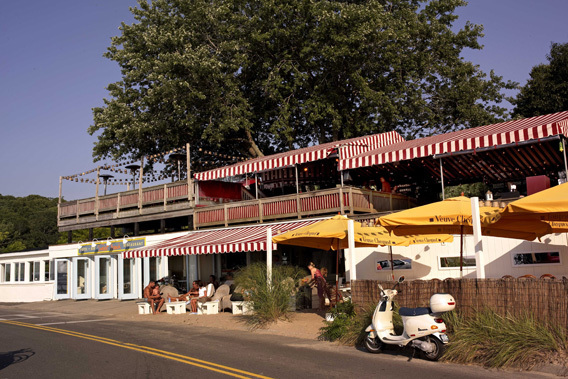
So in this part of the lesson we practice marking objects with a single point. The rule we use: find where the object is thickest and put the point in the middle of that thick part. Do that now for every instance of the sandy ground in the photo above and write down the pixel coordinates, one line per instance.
(301, 324)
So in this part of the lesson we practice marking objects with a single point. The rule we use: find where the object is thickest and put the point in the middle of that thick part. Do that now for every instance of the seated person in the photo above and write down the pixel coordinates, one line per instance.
(185, 297)
(213, 279)
(201, 297)
(156, 301)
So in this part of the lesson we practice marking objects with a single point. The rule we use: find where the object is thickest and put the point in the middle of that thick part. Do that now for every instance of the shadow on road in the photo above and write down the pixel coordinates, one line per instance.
(16, 356)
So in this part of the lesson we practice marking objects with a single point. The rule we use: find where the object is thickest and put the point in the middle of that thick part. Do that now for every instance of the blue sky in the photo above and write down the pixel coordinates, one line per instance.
(52, 74)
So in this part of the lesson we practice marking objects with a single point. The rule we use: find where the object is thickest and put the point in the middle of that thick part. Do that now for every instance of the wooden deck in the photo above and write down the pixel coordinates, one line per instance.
(172, 200)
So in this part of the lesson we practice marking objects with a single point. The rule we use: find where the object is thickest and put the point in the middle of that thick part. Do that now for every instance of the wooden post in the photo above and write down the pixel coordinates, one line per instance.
(442, 179)
(298, 205)
(165, 197)
(351, 205)
(341, 204)
(188, 173)
(59, 202)
(97, 194)
(226, 214)
(118, 205)
(260, 210)
(141, 174)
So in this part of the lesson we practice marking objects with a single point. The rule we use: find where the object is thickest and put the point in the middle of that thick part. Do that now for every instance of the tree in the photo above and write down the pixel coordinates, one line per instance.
(547, 89)
(27, 223)
(257, 77)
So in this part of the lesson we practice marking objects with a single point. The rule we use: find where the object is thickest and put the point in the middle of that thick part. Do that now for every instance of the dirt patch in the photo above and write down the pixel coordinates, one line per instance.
(301, 324)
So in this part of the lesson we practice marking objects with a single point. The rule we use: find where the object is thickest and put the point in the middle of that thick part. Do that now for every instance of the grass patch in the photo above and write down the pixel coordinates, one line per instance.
(270, 303)
(492, 340)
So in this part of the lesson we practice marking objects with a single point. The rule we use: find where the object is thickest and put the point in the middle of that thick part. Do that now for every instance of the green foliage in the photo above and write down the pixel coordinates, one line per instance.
(547, 89)
(83, 235)
(254, 77)
(469, 190)
(270, 302)
(27, 223)
(348, 326)
(492, 340)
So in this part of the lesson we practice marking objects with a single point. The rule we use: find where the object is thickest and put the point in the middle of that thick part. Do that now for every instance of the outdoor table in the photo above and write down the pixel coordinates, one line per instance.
(176, 307)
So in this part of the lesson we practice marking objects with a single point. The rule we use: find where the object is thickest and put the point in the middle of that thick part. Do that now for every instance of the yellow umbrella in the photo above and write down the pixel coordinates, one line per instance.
(329, 234)
(381, 236)
(453, 216)
(550, 205)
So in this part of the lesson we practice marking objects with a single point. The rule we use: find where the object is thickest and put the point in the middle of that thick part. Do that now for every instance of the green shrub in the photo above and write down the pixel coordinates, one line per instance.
(270, 303)
(348, 325)
(492, 340)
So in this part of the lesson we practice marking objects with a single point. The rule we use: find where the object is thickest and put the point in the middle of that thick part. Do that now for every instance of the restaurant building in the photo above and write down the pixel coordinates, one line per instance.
(215, 221)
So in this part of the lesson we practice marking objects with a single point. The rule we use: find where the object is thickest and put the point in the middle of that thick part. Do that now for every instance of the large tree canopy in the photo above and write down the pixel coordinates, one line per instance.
(253, 77)
(547, 89)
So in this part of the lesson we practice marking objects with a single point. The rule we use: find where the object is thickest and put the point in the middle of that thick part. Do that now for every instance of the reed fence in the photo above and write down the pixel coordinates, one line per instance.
(545, 299)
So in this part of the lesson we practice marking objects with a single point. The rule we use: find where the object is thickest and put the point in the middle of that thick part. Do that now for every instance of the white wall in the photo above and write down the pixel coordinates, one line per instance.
(498, 254)
(29, 289)
(25, 292)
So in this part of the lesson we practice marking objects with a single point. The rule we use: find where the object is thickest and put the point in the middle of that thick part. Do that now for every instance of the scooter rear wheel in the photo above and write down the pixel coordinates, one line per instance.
(373, 344)
(438, 350)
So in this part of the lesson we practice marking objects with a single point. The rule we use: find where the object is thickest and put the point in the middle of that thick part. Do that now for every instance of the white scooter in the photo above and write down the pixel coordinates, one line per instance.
(424, 328)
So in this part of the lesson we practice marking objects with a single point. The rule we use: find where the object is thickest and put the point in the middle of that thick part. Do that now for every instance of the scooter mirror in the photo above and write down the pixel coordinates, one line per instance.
(401, 279)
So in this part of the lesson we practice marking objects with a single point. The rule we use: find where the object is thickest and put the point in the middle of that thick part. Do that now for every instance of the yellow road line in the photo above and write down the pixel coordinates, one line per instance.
(226, 370)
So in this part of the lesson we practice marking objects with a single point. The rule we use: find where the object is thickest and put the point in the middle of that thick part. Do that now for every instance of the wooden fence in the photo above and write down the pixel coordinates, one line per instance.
(545, 299)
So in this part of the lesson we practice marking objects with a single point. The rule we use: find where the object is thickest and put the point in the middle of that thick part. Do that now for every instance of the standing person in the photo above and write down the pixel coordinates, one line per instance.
(320, 283)
(385, 185)
(152, 298)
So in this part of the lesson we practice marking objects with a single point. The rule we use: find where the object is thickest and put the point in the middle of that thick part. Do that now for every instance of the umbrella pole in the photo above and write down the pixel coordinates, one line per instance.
(461, 251)
(337, 275)
(391, 262)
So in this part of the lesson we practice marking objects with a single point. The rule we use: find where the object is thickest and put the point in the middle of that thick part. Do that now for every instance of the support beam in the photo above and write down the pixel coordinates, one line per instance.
(269, 256)
(477, 239)
(442, 179)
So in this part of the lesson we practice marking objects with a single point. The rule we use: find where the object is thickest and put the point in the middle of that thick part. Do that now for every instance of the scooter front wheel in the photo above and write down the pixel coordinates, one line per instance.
(438, 350)
(373, 344)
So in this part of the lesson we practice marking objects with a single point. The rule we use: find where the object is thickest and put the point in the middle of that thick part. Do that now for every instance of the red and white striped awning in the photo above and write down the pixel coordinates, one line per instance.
(218, 241)
(347, 148)
(487, 136)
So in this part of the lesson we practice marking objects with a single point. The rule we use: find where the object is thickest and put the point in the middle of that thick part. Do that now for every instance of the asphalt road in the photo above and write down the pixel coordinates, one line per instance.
(54, 345)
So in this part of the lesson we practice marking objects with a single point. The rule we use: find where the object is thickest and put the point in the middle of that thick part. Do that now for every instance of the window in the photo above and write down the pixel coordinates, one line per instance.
(454, 262)
(398, 264)
(545, 258)
(20, 272)
(48, 274)
(6, 272)
(34, 272)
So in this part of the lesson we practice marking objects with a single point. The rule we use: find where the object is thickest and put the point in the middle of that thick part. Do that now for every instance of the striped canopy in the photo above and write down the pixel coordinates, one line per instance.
(487, 136)
(218, 241)
(346, 149)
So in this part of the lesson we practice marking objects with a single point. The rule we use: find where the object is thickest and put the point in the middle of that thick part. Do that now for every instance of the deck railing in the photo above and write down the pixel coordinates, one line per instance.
(174, 196)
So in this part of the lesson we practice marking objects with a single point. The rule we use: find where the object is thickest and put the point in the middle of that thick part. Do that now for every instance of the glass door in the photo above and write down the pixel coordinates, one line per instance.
(104, 283)
(62, 287)
(126, 279)
(82, 278)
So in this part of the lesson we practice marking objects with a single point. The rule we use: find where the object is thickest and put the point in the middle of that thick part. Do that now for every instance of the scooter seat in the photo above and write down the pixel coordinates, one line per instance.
(414, 311)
